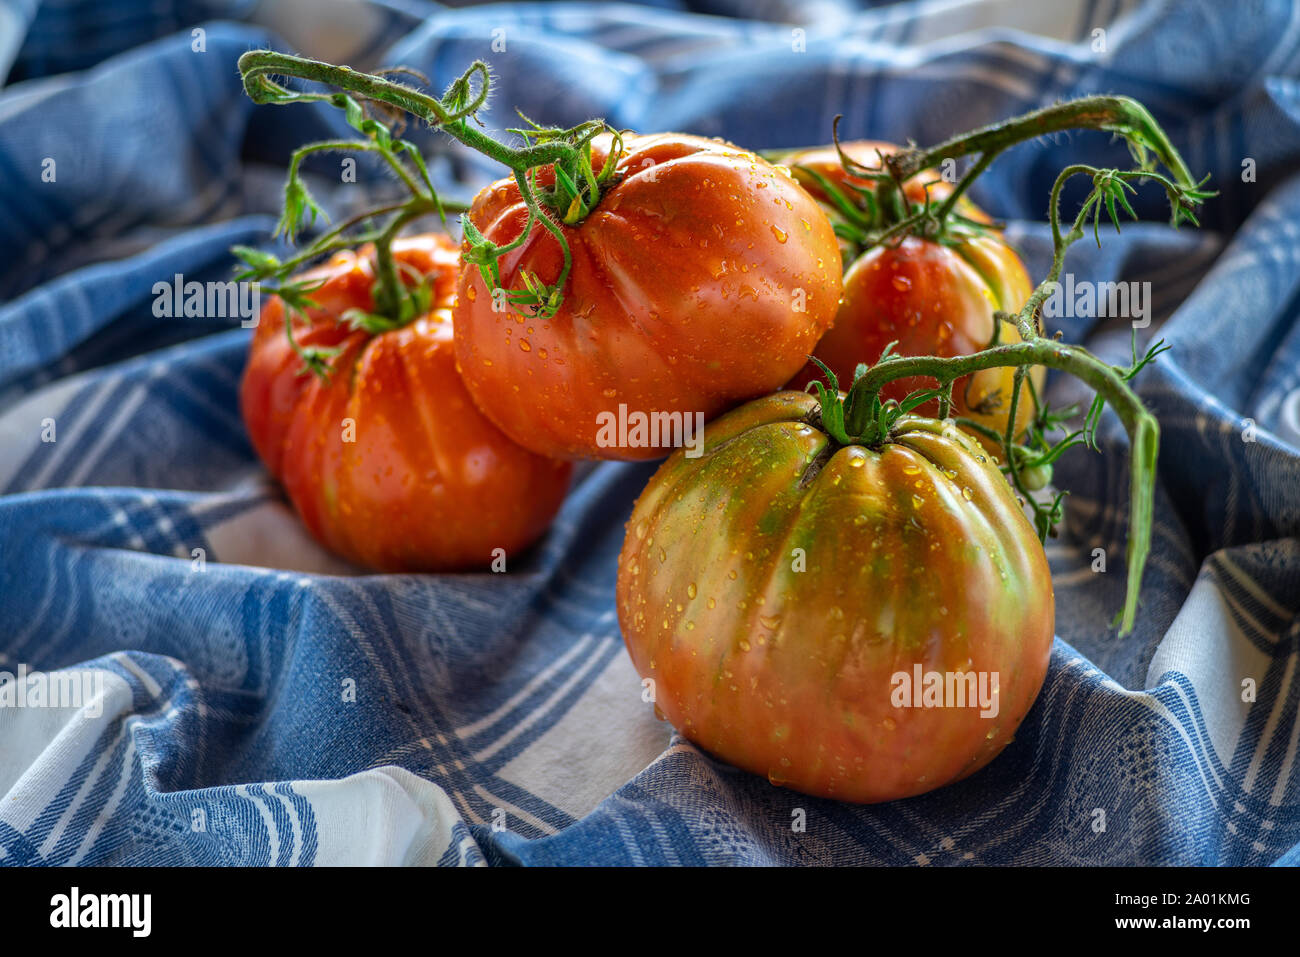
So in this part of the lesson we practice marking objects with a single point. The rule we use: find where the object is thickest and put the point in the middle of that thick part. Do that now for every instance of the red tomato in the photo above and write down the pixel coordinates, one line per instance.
(775, 588)
(701, 279)
(389, 463)
(931, 298)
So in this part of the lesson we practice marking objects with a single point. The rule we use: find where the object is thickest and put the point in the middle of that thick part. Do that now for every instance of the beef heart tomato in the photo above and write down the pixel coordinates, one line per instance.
(387, 459)
(929, 297)
(702, 277)
(793, 599)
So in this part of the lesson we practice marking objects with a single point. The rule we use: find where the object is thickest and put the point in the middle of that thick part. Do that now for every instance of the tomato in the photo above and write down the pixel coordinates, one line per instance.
(388, 462)
(775, 587)
(931, 298)
(702, 278)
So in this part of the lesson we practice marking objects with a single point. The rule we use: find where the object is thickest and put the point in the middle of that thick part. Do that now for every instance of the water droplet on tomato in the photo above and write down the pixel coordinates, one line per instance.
(691, 591)
(901, 283)
(523, 344)
(917, 501)
(966, 493)
(778, 233)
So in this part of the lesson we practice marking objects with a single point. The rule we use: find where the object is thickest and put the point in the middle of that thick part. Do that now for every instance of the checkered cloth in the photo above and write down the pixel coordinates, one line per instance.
(252, 700)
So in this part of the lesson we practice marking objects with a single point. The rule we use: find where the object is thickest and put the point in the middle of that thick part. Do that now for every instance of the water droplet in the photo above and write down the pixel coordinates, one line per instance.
(917, 501)
(911, 470)
(663, 555)
(691, 590)
(744, 645)
(966, 493)
(523, 344)
(901, 283)
(713, 603)
(779, 234)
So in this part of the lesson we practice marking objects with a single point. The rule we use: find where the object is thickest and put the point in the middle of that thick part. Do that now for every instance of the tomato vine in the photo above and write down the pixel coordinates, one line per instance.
(576, 191)
(860, 417)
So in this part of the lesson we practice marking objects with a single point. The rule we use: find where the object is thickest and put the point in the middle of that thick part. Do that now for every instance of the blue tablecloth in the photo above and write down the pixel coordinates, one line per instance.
(254, 701)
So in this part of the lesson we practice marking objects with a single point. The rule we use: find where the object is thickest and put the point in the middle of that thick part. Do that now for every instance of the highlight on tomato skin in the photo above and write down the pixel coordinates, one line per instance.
(702, 278)
(775, 588)
(388, 461)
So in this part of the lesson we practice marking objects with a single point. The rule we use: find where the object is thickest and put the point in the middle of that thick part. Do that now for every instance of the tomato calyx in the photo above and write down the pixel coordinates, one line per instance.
(873, 205)
(578, 184)
(861, 417)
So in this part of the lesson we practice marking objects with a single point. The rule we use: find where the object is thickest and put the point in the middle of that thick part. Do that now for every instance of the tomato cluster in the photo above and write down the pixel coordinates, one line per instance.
(841, 592)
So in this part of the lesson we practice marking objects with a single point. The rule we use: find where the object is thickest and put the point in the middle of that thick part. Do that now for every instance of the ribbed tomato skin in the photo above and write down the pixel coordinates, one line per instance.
(703, 278)
(421, 481)
(914, 554)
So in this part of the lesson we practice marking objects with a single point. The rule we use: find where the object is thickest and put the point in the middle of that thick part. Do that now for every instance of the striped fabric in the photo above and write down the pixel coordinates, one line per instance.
(252, 700)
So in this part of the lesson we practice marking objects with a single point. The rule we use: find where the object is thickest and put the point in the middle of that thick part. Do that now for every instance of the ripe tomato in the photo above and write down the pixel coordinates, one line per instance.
(774, 587)
(388, 462)
(702, 278)
(931, 298)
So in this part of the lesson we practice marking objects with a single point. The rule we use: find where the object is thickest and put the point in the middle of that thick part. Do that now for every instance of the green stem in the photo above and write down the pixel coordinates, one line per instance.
(568, 151)
(388, 296)
(257, 65)
(1115, 114)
